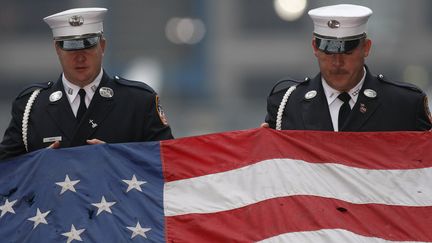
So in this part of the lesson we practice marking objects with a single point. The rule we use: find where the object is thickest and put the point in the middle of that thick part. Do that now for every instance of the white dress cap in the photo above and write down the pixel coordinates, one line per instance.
(340, 21)
(76, 23)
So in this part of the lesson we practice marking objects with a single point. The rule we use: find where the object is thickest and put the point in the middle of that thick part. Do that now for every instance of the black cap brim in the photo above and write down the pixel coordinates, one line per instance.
(337, 45)
(78, 44)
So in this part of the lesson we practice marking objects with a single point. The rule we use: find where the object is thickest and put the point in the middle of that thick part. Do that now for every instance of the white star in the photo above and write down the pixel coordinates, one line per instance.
(134, 184)
(73, 234)
(39, 218)
(138, 230)
(103, 206)
(67, 184)
(7, 207)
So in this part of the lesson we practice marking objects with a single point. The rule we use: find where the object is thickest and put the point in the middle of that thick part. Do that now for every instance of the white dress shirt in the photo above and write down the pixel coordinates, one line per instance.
(334, 103)
(72, 92)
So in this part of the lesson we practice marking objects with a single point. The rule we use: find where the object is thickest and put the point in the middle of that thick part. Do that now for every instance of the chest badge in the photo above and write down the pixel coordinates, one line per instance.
(55, 96)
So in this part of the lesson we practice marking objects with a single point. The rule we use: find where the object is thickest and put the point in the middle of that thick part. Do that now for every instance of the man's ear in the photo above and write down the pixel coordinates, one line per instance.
(102, 43)
(367, 45)
(57, 48)
(315, 49)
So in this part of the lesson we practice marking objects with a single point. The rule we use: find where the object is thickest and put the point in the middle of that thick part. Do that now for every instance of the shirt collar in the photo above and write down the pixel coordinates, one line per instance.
(72, 89)
(332, 94)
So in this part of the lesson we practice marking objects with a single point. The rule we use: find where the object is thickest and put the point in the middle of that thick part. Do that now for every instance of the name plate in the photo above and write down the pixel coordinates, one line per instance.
(52, 139)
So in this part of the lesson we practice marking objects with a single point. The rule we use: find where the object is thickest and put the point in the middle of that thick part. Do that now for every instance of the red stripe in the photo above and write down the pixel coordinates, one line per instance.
(201, 155)
(302, 213)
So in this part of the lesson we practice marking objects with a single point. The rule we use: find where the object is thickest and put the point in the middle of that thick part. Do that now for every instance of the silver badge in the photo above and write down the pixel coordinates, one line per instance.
(370, 93)
(93, 124)
(55, 96)
(93, 88)
(76, 20)
(333, 24)
(106, 92)
(356, 92)
(310, 95)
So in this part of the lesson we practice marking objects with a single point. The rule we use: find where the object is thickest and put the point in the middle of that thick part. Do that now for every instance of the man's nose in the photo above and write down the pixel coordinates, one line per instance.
(338, 59)
(80, 57)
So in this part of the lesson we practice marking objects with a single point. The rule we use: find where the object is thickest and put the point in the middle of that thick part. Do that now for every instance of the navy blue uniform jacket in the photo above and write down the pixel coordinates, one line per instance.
(396, 107)
(130, 115)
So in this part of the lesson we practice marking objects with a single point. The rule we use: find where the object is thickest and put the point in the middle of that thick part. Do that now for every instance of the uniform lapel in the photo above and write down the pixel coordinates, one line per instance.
(365, 106)
(61, 112)
(315, 111)
(98, 109)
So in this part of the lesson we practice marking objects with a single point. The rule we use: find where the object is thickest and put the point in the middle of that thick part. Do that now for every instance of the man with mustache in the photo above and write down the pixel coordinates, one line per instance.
(345, 95)
(85, 105)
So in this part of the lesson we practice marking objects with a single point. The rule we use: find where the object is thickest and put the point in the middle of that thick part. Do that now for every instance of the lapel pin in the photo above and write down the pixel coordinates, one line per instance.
(55, 96)
(363, 108)
(310, 95)
(93, 88)
(93, 124)
(356, 92)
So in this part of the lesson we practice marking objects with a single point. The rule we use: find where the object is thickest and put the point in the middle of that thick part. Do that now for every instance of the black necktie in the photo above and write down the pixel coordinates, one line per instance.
(82, 106)
(344, 110)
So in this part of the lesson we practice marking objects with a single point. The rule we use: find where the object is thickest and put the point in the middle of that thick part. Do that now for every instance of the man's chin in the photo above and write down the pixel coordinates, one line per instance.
(81, 80)
(338, 73)
(336, 79)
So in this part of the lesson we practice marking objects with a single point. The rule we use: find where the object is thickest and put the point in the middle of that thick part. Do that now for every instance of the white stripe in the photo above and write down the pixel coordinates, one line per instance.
(285, 177)
(328, 235)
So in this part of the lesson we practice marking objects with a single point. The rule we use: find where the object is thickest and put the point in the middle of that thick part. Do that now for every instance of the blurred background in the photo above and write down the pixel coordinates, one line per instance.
(213, 62)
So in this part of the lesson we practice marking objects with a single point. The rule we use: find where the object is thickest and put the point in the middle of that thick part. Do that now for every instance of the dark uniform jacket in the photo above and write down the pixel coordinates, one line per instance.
(396, 107)
(132, 114)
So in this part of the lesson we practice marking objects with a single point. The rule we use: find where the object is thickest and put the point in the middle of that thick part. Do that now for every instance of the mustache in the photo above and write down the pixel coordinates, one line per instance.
(339, 71)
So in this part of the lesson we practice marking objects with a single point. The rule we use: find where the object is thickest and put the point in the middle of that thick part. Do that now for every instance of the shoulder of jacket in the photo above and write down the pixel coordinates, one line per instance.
(403, 85)
(286, 83)
(32, 87)
(134, 84)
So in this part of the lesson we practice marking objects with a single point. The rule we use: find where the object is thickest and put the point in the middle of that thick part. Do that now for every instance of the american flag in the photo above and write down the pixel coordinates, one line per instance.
(257, 185)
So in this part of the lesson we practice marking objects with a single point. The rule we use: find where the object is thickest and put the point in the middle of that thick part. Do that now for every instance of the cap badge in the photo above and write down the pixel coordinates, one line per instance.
(76, 20)
(333, 24)
(106, 92)
(370, 93)
(310, 95)
(55, 96)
